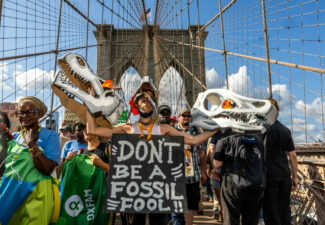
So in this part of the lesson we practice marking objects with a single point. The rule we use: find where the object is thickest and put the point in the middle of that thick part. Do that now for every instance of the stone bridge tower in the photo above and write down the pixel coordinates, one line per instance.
(151, 51)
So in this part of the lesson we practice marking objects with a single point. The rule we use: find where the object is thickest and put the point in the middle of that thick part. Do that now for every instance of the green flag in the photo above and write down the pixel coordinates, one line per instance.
(83, 190)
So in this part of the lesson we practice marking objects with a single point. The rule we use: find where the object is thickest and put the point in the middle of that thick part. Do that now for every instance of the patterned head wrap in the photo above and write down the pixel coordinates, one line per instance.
(35, 102)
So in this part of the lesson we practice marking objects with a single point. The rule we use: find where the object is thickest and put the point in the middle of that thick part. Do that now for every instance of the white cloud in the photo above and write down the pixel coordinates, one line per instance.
(4, 82)
(4, 67)
(315, 108)
(3, 73)
(282, 95)
(213, 79)
(19, 67)
(240, 83)
(299, 126)
(33, 79)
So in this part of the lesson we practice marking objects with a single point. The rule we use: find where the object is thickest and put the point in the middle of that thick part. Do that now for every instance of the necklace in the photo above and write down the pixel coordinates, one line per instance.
(143, 123)
(22, 132)
(149, 130)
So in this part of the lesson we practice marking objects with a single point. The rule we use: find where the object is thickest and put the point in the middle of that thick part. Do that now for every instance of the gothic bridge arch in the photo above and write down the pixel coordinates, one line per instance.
(151, 51)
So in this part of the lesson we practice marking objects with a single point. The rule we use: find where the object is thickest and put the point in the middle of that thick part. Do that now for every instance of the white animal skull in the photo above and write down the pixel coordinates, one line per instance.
(76, 80)
(230, 110)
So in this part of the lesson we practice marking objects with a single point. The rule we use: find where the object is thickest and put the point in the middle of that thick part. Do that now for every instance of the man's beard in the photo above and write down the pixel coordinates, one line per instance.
(185, 124)
(164, 120)
(145, 115)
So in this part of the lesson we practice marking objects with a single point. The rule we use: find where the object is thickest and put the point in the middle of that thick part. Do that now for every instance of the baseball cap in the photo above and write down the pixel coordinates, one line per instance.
(66, 129)
(184, 110)
(162, 108)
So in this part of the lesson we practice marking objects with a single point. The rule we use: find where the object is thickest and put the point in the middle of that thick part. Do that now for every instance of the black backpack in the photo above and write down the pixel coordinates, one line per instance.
(247, 169)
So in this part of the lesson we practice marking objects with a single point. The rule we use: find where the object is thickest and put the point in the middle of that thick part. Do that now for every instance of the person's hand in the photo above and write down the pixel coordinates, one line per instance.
(216, 175)
(30, 137)
(203, 177)
(294, 183)
(96, 160)
(70, 155)
(209, 173)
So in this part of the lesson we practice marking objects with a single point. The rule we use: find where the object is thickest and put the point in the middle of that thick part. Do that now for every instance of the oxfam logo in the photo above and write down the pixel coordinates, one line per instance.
(73, 205)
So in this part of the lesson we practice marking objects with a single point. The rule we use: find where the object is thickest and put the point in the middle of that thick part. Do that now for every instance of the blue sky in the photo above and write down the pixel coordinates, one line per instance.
(294, 27)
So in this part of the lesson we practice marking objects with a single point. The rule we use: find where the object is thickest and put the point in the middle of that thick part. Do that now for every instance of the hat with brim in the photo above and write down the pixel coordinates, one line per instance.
(185, 110)
(164, 107)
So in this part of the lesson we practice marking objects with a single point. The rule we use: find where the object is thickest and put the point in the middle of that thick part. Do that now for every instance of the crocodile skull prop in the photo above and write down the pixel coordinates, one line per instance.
(75, 80)
(230, 110)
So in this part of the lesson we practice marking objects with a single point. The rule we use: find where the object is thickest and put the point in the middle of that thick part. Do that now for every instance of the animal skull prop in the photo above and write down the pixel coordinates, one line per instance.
(145, 85)
(230, 110)
(75, 80)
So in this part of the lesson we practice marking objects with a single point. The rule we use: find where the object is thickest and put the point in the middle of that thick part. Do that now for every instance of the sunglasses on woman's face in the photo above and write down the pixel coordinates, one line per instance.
(186, 115)
(29, 112)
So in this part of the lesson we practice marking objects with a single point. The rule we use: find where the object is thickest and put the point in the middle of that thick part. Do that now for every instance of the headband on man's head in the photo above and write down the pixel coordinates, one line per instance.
(35, 102)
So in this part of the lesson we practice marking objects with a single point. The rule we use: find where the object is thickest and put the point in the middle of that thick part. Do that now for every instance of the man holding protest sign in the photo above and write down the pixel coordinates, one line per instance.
(144, 101)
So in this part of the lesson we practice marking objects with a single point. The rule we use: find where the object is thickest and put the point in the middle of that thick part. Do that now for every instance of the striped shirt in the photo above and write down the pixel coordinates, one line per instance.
(195, 156)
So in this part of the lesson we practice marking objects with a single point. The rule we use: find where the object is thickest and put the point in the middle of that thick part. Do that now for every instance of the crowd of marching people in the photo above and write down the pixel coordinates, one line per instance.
(248, 173)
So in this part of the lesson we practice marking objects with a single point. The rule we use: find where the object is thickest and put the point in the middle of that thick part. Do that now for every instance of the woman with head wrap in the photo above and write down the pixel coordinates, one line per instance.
(28, 194)
(43, 144)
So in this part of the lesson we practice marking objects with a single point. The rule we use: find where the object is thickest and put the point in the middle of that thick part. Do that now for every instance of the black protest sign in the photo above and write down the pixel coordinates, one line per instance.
(146, 177)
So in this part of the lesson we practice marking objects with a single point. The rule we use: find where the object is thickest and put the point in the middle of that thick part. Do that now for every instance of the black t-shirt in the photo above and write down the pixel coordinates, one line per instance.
(278, 141)
(219, 135)
(99, 151)
(226, 148)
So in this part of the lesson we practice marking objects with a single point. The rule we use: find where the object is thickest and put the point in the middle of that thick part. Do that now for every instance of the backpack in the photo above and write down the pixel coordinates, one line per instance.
(247, 170)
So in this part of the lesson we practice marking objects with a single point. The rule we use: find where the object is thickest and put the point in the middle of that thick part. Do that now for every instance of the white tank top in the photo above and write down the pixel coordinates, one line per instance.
(136, 129)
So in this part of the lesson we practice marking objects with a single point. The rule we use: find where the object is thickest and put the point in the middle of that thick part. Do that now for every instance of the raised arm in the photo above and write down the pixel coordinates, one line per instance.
(188, 139)
(103, 131)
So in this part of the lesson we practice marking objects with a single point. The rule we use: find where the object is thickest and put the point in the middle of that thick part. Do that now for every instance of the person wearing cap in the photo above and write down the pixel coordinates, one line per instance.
(145, 103)
(197, 157)
(43, 144)
(164, 112)
(66, 131)
(65, 135)
(73, 146)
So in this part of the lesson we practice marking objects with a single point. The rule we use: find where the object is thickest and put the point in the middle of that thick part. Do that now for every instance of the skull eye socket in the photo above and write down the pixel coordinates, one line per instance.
(212, 100)
(258, 104)
(80, 61)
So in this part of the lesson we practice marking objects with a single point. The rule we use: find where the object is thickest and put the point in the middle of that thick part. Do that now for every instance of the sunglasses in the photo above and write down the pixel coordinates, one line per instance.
(2, 120)
(29, 112)
(186, 115)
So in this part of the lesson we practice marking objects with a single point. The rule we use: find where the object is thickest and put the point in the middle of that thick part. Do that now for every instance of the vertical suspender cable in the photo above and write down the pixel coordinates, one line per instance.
(224, 46)
(267, 48)
(56, 59)
(87, 31)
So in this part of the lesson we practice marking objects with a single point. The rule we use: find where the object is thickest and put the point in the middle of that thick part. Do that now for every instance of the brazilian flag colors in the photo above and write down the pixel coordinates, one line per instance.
(26, 195)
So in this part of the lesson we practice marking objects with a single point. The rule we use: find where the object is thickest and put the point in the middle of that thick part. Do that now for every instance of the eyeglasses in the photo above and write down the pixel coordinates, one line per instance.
(29, 112)
(186, 115)
(2, 120)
